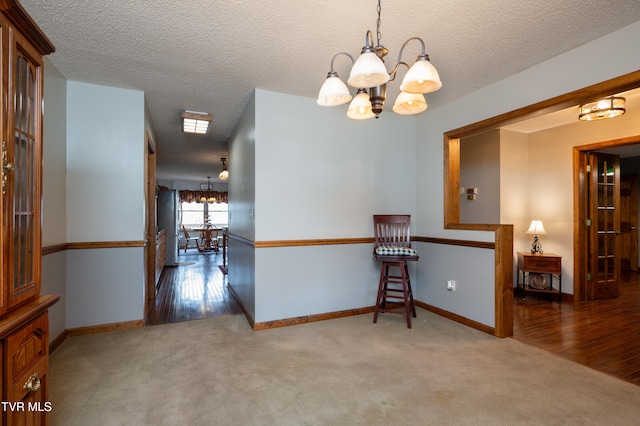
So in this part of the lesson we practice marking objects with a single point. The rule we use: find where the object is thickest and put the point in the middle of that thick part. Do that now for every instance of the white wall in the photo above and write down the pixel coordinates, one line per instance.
(106, 154)
(242, 187)
(321, 175)
(581, 67)
(54, 181)
(105, 286)
(105, 163)
(54, 169)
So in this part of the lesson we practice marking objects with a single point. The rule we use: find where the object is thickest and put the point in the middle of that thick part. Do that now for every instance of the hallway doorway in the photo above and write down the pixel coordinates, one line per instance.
(597, 224)
(195, 289)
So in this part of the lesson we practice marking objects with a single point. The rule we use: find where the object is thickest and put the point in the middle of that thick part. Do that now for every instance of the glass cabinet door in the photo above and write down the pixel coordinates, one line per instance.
(24, 182)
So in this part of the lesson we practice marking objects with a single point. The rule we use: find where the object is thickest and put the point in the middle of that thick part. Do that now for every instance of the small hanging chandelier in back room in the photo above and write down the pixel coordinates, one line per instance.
(369, 72)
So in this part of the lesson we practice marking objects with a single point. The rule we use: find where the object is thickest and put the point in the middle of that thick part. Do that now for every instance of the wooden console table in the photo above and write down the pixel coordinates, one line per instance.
(547, 263)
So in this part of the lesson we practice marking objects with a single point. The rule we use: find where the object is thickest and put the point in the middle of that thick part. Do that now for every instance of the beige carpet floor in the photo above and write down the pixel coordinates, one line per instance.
(346, 371)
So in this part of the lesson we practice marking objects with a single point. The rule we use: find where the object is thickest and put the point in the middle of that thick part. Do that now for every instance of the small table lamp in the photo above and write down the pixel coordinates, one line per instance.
(536, 228)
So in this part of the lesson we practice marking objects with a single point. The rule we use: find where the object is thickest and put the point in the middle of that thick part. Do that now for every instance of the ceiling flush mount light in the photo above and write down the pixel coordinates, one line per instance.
(195, 122)
(208, 198)
(604, 108)
(370, 72)
(224, 173)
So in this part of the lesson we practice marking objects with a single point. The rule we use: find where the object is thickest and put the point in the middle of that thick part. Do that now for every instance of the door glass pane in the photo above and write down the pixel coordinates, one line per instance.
(606, 221)
(24, 176)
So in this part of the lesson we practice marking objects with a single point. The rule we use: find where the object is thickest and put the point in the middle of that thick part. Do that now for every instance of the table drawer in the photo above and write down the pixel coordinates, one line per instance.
(551, 265)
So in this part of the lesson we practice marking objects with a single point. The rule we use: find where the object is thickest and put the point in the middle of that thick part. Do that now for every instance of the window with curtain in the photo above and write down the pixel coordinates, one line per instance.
(196, 213)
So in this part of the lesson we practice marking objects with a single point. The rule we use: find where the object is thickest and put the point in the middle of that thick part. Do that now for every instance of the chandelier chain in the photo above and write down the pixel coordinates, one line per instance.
(378, 34)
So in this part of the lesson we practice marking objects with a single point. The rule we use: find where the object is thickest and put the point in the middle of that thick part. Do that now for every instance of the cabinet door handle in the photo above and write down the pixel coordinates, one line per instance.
(9, 167)
(33, 383)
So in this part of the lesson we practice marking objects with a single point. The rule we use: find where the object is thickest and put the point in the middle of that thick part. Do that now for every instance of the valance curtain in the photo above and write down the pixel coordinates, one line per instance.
(187, 196)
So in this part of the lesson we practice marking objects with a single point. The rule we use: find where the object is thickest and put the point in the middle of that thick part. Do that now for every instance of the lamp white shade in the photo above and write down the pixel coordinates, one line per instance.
(368, 71)
(333, 92)
(409, 103)
(224, 174)
(360, 107)
(536, 228)
(422, 77)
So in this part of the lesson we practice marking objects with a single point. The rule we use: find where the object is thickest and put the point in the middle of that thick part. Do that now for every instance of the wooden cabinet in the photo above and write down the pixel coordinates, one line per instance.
(535, 268)
(23, 312)
(161, 253)
(26, 372)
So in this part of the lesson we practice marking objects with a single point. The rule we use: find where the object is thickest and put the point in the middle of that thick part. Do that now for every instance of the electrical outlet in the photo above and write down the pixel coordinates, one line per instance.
(451, 285)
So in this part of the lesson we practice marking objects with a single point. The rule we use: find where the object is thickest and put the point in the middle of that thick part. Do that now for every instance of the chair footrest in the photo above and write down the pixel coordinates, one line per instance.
(392, 311)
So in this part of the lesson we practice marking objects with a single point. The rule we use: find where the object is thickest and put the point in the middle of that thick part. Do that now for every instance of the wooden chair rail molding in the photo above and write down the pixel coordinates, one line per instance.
(503, 280)
(90, 245)
(503, 238)
(269, 244)
(363, 240)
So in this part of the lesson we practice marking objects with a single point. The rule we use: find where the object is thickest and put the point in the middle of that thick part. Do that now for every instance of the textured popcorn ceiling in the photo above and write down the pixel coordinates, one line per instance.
(209, 55)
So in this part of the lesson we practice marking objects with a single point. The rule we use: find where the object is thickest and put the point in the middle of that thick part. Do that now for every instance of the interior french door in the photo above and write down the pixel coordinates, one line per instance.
(604, 226)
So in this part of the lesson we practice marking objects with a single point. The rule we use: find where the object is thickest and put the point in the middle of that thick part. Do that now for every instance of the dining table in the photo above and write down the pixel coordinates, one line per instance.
(210, 237)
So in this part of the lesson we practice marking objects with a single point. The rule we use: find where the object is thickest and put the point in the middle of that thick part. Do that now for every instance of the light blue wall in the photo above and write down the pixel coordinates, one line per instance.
(54, 281)
(54, 194)
(105, 163)
(94, 172)
(106, 155)
(242, 194)
(321, 175)
(104, 286)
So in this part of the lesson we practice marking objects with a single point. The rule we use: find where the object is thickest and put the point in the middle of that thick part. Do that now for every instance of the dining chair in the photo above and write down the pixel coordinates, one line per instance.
(392, 247)
(189, 238)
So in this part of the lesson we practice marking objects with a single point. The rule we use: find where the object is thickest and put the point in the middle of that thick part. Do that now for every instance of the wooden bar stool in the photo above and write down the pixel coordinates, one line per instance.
(392, 246)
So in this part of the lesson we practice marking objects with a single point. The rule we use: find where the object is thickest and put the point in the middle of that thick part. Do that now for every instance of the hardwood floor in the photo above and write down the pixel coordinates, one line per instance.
(195, 289)
(601, 334)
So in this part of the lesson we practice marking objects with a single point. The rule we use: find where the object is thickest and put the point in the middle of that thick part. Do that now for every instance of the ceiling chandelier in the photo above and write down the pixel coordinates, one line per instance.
(604, 108)
(370, 72)
(208, 198)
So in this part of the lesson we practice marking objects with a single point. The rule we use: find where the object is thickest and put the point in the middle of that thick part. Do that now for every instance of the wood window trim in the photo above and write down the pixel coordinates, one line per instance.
(504, 233)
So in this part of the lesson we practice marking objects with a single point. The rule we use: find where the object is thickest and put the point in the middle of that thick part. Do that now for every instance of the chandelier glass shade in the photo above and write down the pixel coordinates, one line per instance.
(333, 92)
(604, 108)
(409, 103)
(370, 72)
(422, 77)
(360, 108)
